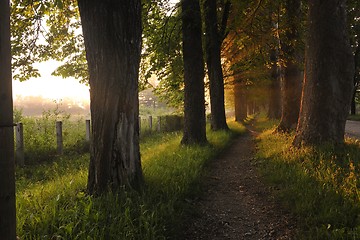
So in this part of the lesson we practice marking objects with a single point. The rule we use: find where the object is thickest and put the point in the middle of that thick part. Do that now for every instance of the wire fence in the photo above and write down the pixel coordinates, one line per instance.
(147, 126)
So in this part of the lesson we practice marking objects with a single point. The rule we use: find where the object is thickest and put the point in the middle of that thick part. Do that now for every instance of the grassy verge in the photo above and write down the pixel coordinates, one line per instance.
(354, 117)
(320, 186)
(51, 202)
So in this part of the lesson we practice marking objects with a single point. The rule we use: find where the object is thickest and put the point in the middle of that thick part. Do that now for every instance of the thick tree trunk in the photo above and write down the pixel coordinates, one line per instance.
(293, 77)
(329, 75)
(7, 168)
(275, 88)
(194, 99)
(240, 102)
(213, 40)
(112, 34)
(291, 90)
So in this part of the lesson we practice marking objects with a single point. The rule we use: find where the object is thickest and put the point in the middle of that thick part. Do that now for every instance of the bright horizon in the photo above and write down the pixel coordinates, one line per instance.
(51, 87)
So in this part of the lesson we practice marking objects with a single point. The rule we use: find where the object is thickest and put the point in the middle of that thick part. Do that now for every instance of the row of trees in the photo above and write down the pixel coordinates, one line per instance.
(112, 33)
(308, 61)
(247, 34)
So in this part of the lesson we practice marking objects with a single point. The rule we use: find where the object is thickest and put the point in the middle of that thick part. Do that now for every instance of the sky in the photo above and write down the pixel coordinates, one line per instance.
(51, 87)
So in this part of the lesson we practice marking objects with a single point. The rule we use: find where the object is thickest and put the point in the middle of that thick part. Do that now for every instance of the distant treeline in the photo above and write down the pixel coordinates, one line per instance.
(35, 105)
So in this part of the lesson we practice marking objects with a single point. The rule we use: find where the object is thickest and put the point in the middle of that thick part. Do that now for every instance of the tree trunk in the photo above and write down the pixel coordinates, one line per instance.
(240, 102)
(329, 75)
(7, 161)
(112, 35)
(291, 91)
(356, 79)
(194, 96)
(275, 88)
(353, 104)
(213, 40)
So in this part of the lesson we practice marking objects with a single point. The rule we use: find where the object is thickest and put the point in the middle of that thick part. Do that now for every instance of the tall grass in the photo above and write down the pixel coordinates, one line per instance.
(320, 186)
(52, 203)
(40, 135)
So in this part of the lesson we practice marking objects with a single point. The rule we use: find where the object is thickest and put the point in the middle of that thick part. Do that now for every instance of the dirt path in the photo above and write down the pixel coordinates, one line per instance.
(236, 204)
(352, 129)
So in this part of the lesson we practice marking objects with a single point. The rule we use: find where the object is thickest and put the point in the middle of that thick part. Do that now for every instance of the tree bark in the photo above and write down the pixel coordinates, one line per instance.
(353, 104)
(7, 161)
(291, 90)
(112, 35)
(356, 79)
(275, 88)
(194, 96)
(240, 102)
(329, 75)
(213, 40)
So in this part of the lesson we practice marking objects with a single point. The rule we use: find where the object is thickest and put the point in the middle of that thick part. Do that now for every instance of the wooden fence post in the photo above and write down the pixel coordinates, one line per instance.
(150, 123)
(87, 123)
(59, 138)
(19, 154)
(158, 123)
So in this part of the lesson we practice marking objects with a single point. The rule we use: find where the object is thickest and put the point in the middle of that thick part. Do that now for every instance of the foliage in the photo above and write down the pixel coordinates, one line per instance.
(52, 203)
(47, 29)
(318, 185)
(354, 30)
(246, 49)
(52, 30)
(162, 54)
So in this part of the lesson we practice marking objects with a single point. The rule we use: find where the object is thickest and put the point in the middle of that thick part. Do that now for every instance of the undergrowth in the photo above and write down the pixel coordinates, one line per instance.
(52, 204)
(320, 186)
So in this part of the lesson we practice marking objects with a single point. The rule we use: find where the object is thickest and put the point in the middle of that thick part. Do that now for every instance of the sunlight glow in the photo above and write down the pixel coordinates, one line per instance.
(51, 87)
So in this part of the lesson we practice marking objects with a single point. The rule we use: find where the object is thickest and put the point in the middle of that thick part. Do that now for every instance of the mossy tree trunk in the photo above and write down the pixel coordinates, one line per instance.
(329, 72)
(112, 34)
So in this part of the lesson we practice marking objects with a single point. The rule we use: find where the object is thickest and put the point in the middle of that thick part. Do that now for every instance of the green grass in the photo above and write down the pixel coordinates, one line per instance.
(354, 117)
(40, 135)
(263, 123)
(52, 204)
(320, 186)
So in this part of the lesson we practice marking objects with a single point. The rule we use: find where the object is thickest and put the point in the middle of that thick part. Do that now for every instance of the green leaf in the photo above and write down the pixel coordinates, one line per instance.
(59, 4)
